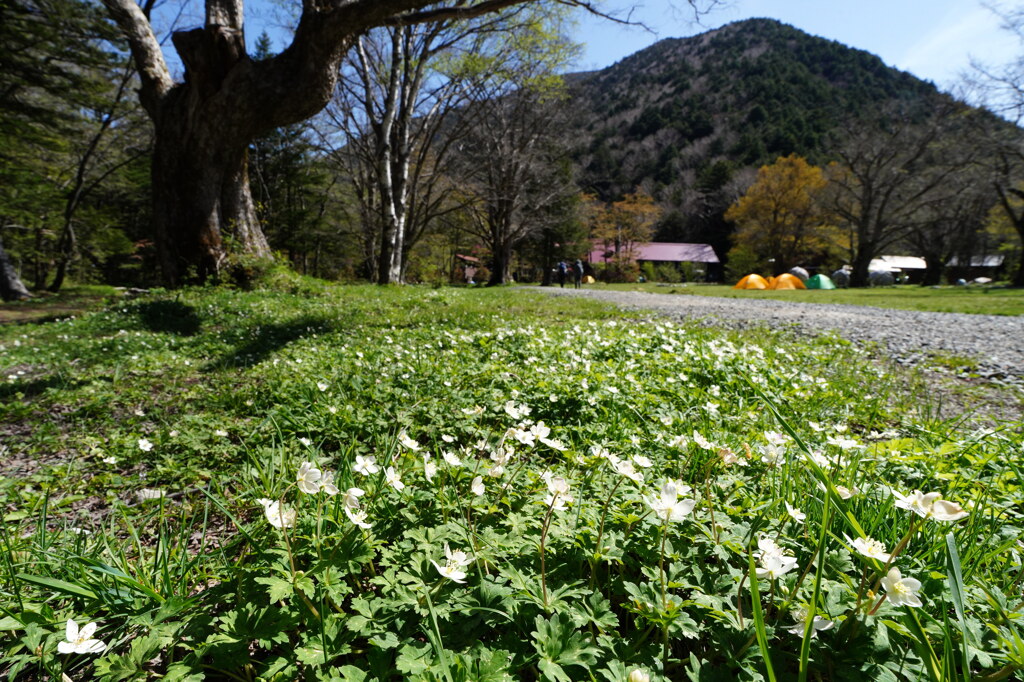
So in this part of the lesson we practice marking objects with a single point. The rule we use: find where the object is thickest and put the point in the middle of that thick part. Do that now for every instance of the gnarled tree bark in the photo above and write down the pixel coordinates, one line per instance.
(201, 197)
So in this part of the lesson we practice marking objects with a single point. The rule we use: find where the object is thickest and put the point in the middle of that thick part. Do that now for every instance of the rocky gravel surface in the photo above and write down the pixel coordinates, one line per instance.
(995, 343)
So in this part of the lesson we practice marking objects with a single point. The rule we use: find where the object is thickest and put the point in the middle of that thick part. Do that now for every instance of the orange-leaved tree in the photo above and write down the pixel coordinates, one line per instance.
(781, 217)
(623, 225)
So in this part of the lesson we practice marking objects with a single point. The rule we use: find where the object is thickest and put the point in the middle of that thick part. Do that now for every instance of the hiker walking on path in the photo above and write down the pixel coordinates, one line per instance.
(577, 271)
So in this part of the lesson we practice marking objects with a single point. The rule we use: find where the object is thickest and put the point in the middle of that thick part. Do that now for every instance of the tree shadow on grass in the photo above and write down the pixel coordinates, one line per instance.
(33, 387)
(266, 340)
(171, 317)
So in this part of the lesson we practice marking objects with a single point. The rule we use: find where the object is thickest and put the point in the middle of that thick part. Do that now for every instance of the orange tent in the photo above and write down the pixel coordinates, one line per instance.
(751, 282)
(787, 281)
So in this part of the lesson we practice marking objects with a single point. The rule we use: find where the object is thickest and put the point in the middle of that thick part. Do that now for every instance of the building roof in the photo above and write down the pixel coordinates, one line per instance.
(994, 261)
(662, 252)
(895, 263)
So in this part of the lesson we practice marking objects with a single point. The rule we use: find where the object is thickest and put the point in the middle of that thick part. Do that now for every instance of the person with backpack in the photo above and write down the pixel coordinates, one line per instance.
(562, 270)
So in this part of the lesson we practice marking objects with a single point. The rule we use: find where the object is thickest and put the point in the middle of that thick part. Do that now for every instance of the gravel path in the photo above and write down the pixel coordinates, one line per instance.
(996, 342)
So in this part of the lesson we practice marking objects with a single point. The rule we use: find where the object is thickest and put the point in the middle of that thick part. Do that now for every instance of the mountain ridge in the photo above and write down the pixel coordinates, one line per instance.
(691, 119)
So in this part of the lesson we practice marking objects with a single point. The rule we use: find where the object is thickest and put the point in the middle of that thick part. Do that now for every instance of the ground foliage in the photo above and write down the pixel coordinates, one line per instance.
(548, 491)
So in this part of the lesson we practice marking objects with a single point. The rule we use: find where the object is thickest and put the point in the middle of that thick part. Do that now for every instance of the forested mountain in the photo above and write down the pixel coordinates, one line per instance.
(683, 117)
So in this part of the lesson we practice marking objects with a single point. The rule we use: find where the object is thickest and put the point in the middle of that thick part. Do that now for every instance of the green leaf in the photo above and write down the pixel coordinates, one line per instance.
(58, 585)
(558, 644)
(277, 588)
(311, 655)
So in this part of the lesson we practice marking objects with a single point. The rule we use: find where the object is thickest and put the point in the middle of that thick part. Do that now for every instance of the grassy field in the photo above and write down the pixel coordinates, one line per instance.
(47, 307)
(362, 483)
(975, 300)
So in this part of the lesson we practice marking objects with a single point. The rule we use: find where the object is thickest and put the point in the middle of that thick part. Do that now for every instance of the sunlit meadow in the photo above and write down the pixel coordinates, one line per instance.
(375, 484)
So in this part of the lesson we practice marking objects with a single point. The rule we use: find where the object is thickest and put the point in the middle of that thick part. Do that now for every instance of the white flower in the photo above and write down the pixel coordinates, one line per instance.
(450, 571)
(901, 590)
(351, 497)
(846, 493)
(768, 547)
(679, 441)
(703, 442)
(429, 468)
(472, 411)
(457, 556)
(815, 426)
(772, 454)
(221, 433)
(929, 505)
(501, 456)
(408, 442)
(110, 460)
(477, 486)
(776, 438)
(795, 513)
(327, 483)
(366, 465)
(540, 430)
(667, 506)
(322, 386)
(447, 439)
(818, 458)
(843, 443)
(642, 461)
(559, 502)
(393, 479)
(278, 515)
(454, 562)
(638, 676)
(305, 441)
(516, 411)
(358, 517)
(729, 458)
(626, 468)
(775, 565)
(149, 494)
(871, 548)
(819, 624)
(557, 485)
(523, 436)
(308, 478)
(554, 444)
(451, 459)
(145, 445)
(80, 641)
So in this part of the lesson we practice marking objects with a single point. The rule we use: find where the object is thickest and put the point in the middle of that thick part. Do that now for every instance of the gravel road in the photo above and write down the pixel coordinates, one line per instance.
(995, 342)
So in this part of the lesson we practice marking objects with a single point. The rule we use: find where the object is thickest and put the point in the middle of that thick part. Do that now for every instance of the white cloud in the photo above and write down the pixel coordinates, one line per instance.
(945, 52)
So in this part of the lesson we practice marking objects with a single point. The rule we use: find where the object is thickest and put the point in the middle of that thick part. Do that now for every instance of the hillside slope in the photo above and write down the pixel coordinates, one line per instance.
(688, 117)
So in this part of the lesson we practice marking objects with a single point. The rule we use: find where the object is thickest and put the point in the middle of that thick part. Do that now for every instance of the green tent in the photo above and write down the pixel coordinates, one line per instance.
(820, 282)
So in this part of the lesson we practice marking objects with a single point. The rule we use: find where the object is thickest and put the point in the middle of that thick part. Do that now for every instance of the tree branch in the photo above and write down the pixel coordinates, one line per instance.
(149, 58)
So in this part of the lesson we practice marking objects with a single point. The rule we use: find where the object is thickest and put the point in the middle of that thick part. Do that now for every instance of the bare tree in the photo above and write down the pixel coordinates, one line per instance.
(402, 113)
(203, 126)
(886, 176)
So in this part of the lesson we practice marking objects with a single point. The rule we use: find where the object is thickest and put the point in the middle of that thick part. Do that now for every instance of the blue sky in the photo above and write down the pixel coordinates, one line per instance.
(933, 39)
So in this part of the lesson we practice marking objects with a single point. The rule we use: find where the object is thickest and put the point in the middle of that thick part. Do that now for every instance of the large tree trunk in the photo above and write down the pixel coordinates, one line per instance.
(11, 287)
(860, 276)
(201, 198)
(204, 125)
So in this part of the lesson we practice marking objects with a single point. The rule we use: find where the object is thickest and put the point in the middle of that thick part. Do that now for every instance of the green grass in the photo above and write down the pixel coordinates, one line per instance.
(171, 548)
(47, 307)
(973, 300)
